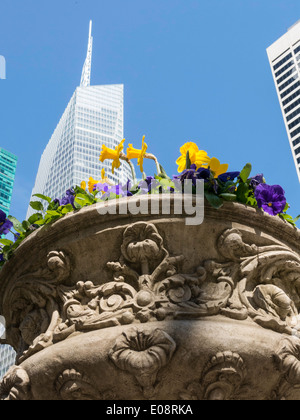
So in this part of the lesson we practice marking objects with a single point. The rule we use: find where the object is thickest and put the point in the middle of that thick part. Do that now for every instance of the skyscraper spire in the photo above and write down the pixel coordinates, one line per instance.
(86, 71)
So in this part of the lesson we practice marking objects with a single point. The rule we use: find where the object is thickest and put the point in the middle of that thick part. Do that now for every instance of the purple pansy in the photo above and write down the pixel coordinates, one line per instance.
(228, 176)
(68, 199)
(270, 198)
(101, 186)
(148, 184)
(256, 180)
(193, 173)
(5, 224)
(120, 190)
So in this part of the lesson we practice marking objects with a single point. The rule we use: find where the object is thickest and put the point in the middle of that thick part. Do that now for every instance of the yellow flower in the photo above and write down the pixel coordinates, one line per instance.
(93, 181)
(107, 153)
(83, 185)
(138, 154)
(91, 184)
(197, 157)
(104, 179)
(201, 159)
(217, 168)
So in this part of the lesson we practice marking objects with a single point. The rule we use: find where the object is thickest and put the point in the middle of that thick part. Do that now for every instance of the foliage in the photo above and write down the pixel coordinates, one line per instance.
(219, 186)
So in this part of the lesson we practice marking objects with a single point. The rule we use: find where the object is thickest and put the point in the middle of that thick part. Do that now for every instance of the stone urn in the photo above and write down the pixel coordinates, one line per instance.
(145, 307)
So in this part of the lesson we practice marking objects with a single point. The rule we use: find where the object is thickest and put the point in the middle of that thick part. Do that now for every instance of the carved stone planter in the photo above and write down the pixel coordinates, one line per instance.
(145, 307)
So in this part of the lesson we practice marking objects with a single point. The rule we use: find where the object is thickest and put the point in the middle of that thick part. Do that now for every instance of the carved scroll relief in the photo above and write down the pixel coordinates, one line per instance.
(147, 284)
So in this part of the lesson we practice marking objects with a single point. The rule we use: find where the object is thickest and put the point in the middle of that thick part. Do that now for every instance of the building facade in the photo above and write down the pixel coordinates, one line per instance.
(284, 58)
(8, 166)
(93, 117)
(7, 359)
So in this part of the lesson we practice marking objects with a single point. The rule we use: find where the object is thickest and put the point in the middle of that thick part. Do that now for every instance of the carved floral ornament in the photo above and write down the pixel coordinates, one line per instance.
(222, 379)
(143, 355)
(247, 281)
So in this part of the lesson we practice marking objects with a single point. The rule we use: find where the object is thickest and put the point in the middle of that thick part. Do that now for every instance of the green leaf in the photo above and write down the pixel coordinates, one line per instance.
(215, 201)
(17, 225)
(67, 209)
(287, 218)
(50, 218)
(228, 197)
(297, 218)
(166, 183)
(43, 197)
(39, 222)
(53, 213)
(36, 205)
(242, 193)
(251, 201)
(6, 242)
(163, 173)
(32, 219)
(78, 204)
(79, 190)
(26, 224)
(188, 160)
(246, 171)
(84, 199)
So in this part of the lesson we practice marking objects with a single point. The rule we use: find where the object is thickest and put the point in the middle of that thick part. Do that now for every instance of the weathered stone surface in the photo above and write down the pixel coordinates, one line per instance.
(145, 307)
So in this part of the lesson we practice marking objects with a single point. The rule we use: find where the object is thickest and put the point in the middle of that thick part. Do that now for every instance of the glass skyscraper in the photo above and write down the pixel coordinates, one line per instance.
(284, 58)
(93, 117)
(8, 165)
(7, 359)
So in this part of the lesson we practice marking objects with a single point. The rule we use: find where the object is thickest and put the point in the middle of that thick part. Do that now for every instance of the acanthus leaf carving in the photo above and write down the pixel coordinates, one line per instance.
(247, 281)
(34, 311)
(15, 385)
(287, 358)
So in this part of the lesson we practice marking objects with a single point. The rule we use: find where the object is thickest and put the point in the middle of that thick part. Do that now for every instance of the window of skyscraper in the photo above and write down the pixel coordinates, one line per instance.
(281, 62)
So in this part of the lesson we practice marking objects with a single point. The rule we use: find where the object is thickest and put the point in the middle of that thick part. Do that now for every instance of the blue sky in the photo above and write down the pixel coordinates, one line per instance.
(193, 70)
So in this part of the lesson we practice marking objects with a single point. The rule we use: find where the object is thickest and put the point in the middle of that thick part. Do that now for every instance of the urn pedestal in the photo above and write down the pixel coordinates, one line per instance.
(145, 307)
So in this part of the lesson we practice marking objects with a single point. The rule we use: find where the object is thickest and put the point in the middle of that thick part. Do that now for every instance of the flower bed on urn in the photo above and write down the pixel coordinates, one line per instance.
(147, 307)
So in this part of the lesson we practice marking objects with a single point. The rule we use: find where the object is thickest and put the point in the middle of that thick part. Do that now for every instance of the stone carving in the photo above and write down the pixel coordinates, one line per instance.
(221, 379)
(262, 283)
(143, 354)
(74, 386)
(15, 385)
(34, 309)
(160, 290)
(62, 302)
(287, 357)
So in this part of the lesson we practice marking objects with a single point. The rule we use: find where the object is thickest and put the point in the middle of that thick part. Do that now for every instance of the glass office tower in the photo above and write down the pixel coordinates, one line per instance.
(284, 58)
(8, 165)
(93, 117)
(7, 359)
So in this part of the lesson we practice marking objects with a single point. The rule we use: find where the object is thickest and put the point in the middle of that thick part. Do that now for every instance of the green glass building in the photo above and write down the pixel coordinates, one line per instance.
(8, 165)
